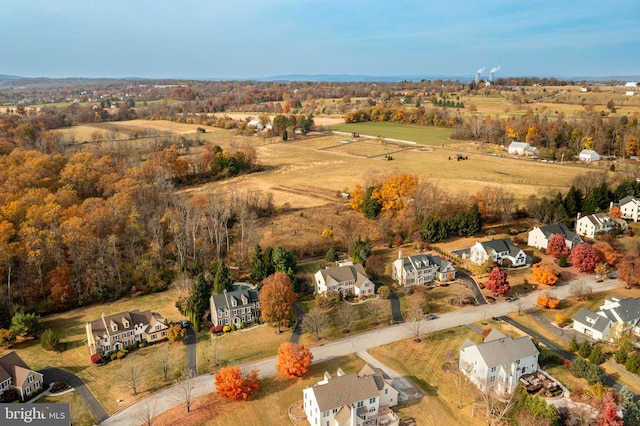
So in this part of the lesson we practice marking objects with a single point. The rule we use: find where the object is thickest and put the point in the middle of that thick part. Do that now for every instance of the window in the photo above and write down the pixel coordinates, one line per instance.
(114, 327)
(360, 404)
(31, 379)
(372, 400)
(493, 369)
(325, 414)
(335, 410)
(27, 390)
(164, 334)
(493, 378)
(37, 385)
(157, 328)
(386, 391)
(126, 324)
(153, 336)
(518, 362)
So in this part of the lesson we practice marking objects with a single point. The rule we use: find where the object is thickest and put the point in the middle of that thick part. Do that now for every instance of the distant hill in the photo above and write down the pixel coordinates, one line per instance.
(340, 78)
(4, 77)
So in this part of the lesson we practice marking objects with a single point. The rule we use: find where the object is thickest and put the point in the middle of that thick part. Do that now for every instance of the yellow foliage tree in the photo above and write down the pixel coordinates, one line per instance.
(357, 197)
(395, 192)
(544, 274)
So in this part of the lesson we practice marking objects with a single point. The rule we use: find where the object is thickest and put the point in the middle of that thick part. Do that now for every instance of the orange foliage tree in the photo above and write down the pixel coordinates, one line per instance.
(544, 274)
(615, 212)
(395, 192)
(232, 384)
(293, 360)
(548, 300)
(606, 252)
(276, 300)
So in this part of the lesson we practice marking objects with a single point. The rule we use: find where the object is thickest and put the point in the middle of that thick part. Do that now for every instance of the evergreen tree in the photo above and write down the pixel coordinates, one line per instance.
(429, 229)
(371, 207)
(631, 408)
(573, 202)
(221, 280)
(573, 344)
(25, 324)
(585, 349)
(198, 300)
(283, 260)
(598, 199)
(597, 356)
(474, 220)
(258, 270)
(5, 315)
(331, 255)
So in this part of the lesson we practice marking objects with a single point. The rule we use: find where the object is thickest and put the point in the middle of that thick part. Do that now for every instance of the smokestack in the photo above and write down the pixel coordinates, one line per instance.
(481, 70)
(492, 72)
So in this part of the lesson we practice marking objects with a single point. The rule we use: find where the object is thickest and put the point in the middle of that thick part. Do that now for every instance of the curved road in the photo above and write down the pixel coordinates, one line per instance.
(166, 398)
(53, 374)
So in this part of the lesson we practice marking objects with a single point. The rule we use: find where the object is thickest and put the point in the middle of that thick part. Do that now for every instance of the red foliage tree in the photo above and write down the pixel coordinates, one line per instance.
(293, 360)
(629, 269)
(584, 257)
(498, 282)
(232, 384)
(608, 414)
(557, 246)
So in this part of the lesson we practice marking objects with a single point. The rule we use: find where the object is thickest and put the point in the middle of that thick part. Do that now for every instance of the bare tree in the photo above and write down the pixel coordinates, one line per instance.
(131, 373)
(374, 309)
(415, 315)
(580, 289)
(495, 406)
(216, 349)
(164, 360)
(519, 302)
(185, 389)
(316, 322)
(459, 377)
(146, 414)
(347, 315)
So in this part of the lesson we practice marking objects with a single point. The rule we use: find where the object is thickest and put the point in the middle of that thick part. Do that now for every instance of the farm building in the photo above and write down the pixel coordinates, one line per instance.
(522, 148)
(589, 155)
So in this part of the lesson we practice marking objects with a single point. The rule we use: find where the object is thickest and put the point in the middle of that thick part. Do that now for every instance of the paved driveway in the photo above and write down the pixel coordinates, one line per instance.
(396, 311)
(53, 374)
(473, 286)
(190, 343)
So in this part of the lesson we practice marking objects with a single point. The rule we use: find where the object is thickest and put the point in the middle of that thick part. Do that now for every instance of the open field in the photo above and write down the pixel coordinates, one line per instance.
(434, 136)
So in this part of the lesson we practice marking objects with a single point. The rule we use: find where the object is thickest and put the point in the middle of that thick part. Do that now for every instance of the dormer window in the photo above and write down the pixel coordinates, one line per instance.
(114, 327)
(126, 323)
(234, 302)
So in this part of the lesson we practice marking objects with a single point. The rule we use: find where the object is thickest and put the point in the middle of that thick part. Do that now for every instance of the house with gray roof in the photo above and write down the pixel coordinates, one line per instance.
(630, 208)
(114, 332)
(539, 236)
(497, 364)
(351, 400)
(498, 251)
(344, 279)
(613, 317)
(421, 269)
(15, 374)
(235, 307)
(593, 225)
(522, 148)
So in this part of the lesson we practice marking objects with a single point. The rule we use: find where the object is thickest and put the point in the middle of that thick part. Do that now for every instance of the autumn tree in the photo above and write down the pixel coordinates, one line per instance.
(606, 253)
(498, 281)
(176, 333)
(316, 322)
(293, 360)
(7, 338)
(557, 246)
(276, 300)
(615, 212)
(548, 300)
(346, 316)
(584, 257)
(544, 274)
(232, 384)
(629, 269)
(608, 413)
(601, 270)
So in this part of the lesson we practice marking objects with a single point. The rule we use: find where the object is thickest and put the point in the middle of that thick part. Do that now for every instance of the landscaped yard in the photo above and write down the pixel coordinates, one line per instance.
(79, 412)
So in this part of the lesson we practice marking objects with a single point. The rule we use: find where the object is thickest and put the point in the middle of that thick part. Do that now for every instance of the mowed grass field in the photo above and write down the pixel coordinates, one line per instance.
(434, 136)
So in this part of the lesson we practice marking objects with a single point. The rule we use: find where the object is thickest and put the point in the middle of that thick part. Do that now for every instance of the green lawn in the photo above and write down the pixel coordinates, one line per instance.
(433, 136)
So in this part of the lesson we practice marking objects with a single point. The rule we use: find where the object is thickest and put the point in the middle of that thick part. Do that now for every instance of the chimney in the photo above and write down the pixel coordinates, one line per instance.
(579, 214)
(399, 254)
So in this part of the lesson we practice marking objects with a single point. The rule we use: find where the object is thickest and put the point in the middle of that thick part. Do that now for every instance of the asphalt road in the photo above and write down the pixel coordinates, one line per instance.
(52, 374)
(166, 398)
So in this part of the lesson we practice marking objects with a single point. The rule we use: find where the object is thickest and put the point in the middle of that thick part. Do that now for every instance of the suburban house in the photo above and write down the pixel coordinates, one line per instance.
(589, 155)
(497, 364)
(344, 279)
(235, 307)
(114, 332)
(351, 399)
(630, 208)
(14, 373)
(613, 317)
(522, 148)
(593, 225)
(421, 269)
(539, 237)
(498, 251)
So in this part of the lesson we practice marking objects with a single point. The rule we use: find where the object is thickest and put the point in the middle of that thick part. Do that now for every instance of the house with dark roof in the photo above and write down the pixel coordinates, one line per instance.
(421, 269)
(630, 208)
(592, 225)
(15, 374)
(235, 307)
(614, 317)
(114, 332)
(344, 279)
(498, 251)
(539, 236)
(497, 364)
(351, 400)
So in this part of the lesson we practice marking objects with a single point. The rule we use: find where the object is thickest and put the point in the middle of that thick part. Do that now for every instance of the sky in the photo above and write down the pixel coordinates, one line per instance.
(242, 39)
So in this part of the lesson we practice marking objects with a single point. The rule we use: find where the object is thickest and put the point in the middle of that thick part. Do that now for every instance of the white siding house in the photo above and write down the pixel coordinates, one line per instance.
(497, 364)
(612, 317)
(344, 279)
(522, 148)
(421, 269)
(593, 225)
(630, 208)
(539, 237)
(498, 251)
(589, 155)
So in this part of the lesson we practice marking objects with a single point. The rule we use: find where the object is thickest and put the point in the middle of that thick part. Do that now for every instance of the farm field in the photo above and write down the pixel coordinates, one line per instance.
(433, 136)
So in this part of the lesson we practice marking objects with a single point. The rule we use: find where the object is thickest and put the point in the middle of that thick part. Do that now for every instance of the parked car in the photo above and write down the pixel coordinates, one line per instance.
(430, 317)
(512, 299)
(184, 323)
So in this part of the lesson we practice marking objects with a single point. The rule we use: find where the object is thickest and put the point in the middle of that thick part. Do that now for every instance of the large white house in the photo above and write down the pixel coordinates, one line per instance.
(421, 269)
(592, 225)
(344, 279)
(522, 148)
(630, 208)
(498, 251)
(351, 399)
(614, 316)
(589, 155)
(114, 332)
(497, 364)
(539, 237)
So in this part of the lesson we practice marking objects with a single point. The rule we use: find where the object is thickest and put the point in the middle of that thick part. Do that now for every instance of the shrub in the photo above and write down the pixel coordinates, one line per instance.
(58, 386)
(584, 369)
(113, 356)
(561, 319)
(585, 349)
(121, 354)
(573, 344)
(384, 291)
(567, 364)
(142, 344)
(95, 358)
(328, 299)
(226, 329)
(233, 327)
(620, 356)
(217, 329)
(243, 325)
(597, 355)
(633, 363)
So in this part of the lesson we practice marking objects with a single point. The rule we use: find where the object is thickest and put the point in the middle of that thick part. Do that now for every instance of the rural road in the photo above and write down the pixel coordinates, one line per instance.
(166, 398)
